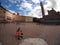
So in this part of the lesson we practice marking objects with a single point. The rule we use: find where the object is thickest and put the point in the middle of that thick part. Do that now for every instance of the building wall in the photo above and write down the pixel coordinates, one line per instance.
(5, 14)
(28, 19)
(8, 16)
(2, 14)
(18, 18)
(22, 18)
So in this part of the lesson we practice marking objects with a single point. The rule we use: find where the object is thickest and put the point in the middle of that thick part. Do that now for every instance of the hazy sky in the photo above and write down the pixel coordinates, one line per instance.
(30, 7)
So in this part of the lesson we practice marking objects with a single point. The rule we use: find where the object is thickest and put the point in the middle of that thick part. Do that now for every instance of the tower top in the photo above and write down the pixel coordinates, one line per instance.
(41, 3)
(42, 9)
(52, 8)
(0, 3)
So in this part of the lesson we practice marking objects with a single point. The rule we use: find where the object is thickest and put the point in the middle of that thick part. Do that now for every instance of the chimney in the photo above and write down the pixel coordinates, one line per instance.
(42, 9)
(18, 14)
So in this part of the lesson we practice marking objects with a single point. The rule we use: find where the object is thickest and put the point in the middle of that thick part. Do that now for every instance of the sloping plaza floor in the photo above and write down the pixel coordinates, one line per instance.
(50, 33)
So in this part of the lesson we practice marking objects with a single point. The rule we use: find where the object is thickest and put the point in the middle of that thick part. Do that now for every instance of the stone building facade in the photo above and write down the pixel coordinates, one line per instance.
(11, 17)
(19, 18)
(52, 15)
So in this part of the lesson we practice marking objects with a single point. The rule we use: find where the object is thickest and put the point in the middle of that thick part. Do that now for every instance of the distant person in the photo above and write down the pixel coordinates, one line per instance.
(19, 34)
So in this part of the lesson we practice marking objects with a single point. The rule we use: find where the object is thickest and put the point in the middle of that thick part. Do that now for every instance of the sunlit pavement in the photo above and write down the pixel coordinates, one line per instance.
(33, 41)
(49, 33)
(0, 43)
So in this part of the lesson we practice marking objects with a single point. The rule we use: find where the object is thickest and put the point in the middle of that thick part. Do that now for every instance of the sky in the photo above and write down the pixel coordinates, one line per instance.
(30, 7)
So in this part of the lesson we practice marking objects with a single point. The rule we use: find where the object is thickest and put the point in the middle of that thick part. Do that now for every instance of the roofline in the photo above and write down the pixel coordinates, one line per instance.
(6, 9)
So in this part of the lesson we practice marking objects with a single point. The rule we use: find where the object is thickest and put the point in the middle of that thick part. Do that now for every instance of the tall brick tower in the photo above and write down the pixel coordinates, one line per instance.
(42, 9)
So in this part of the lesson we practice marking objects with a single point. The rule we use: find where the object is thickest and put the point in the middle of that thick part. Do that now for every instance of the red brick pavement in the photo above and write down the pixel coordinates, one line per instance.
(49, 32)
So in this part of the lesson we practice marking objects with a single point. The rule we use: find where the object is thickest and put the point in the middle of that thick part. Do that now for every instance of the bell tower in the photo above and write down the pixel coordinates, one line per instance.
(42, 9)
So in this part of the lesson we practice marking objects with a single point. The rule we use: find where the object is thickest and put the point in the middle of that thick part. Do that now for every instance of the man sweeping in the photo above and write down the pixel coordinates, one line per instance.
(19, 34)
